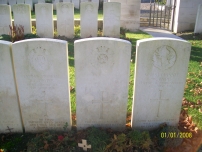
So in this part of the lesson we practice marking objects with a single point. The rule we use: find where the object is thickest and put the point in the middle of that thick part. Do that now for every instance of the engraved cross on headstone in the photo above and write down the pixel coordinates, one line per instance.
(159, 101)
(101, 102)
(9, 129)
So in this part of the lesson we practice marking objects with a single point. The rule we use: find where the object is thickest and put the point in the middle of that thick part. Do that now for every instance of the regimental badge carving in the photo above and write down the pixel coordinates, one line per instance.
(43, 11)
(102, 59)
(89, 8)
(64, 8)
(102, 54)
(38, 59)
(20, 9)
(164, 57)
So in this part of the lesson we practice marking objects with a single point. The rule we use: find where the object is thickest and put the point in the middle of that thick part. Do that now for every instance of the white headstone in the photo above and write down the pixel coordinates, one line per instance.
(11, 3)
(111, 20)
(41, 1)
(102, 67)
(67, 1)
(198, 24)
(44, 20)
(20, 1)
(5, 19)
(130, 14)
(160, 74)
(65, 19)
(3, 2)
(29, 2)
(9, 106)
(89, 17)
(76, 3)
(43, 86)
(22, 16)
(94, 1)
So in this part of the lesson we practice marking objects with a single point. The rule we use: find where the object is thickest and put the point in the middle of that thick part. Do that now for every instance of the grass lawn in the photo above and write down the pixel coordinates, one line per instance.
(193, 88)
(76, 14)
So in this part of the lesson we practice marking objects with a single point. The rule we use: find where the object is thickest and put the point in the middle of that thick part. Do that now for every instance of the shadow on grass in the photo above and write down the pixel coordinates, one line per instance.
(71, 62)
(196, 53)
(196, 42)
(134, 37)
(189, 35)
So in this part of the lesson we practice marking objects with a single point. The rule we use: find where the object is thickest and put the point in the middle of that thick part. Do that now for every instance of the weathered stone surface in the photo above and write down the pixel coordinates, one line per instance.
(9, 107)
(160, 74)
(30, 3)
(102, 67)
(65, 19)
(111, 21)
(20, 1)
(44, 20)
(198, 24)
(89, 16)
(22, 16)
(5, 19)
(67, 1)
(42, 77)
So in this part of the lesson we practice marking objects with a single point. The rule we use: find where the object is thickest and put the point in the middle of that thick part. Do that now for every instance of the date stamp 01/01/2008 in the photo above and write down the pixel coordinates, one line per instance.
(176, 134)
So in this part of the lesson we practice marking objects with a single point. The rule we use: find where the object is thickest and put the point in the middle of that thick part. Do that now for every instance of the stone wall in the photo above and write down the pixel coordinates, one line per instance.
(185, 15)
(130, 13)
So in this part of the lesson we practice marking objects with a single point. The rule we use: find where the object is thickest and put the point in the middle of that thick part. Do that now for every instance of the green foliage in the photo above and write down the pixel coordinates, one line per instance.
(33, 30)
(14, 142)
(65, 126)
(51, 142)
(77, 30)
(118, 143)
(97, 138)
(140, 139)
(30, 36)
(161, 2)
(196, 116)
(48, 1)
(100, 32)
(123, 32)
(5, 37)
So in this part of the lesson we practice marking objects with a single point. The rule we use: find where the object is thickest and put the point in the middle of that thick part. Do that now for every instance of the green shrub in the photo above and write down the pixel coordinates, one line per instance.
(5, 37)
(30, 36)
(97, 138)
(77, 30)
